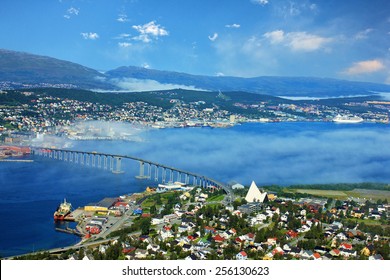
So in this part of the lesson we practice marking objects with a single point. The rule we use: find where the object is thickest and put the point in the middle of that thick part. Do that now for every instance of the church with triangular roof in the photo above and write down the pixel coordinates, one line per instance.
(255, 195)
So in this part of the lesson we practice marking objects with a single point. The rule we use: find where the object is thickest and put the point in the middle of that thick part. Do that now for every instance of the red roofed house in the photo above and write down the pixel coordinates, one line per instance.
(291, 234)
(241, 256)
(317, 256)
(345, 246)
(219, 239)
(271, 241)
(250, 237)
(334, 252)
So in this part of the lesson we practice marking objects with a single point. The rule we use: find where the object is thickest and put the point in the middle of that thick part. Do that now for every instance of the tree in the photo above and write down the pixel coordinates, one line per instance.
(145, 226)
(81, 254)
(153, 209)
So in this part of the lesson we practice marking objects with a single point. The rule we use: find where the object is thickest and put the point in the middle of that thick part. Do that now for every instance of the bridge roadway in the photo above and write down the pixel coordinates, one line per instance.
(142, 161)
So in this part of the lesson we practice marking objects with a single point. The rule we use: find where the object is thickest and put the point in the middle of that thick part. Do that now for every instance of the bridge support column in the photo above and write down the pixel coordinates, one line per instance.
(186, 179)
(141, 175)
(171, 176)
(99, 161)
(105, 165)
(111, 164)
(178, 178)
(149, 171)
(163, 175)
(118, 166)
(156, 173)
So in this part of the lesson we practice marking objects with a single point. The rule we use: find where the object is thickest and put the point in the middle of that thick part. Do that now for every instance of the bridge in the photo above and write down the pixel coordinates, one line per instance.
(147, 169)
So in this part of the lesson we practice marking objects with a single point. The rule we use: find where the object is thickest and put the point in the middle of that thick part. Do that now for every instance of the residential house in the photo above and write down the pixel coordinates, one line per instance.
(271, 241)
(376, 257)
(141, 254)
(307, 254)
(242, 256)
(153, 247)
(218, 238)
(317, 256)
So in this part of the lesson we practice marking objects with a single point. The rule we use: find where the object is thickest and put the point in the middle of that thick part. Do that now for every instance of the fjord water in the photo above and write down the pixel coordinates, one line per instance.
(269, 153)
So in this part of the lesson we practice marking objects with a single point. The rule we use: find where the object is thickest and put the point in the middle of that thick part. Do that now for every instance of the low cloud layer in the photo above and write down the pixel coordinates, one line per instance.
(136, 85)
(272, 153)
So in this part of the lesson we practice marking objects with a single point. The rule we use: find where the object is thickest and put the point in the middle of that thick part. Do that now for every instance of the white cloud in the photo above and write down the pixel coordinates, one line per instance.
(122, 18)
(143, 38)
(275, 37)
(123, 36)
(365, 67)
(302, 41)
(297, 41)
(145, 65)
(260, 2)
(234, 25)
(363, 34)
(124, 44)
(135, 85)
(71, 12)
(148, 31)
(90, 35)
(214, 37)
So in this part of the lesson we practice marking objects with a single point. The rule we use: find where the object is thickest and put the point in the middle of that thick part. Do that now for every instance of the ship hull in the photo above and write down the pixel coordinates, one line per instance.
(62, 211)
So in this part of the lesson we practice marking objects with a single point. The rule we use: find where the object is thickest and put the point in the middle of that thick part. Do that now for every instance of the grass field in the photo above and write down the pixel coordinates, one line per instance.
(216, 198)
(363, 194)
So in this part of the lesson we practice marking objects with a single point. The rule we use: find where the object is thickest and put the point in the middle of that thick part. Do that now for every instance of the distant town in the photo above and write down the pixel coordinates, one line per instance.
(178, 221)
(56, 111)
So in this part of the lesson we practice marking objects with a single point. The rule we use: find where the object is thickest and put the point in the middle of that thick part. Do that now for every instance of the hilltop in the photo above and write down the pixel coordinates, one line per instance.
(25, 68)
(19, 69)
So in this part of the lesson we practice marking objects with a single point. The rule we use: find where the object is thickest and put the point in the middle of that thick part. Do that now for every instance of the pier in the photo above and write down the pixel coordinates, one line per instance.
(70, 231)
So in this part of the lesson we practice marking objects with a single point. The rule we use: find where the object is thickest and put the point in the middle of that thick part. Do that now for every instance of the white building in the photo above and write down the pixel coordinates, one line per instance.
(255, 195)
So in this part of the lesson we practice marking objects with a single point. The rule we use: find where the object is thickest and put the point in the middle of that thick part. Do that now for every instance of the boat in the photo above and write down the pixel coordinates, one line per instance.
(347, 119)
(62, 211)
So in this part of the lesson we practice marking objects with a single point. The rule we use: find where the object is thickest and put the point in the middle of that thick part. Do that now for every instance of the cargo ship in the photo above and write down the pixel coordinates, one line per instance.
(62, 211)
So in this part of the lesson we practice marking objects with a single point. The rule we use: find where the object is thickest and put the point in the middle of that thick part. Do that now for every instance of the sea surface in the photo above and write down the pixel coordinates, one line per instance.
(268, 153)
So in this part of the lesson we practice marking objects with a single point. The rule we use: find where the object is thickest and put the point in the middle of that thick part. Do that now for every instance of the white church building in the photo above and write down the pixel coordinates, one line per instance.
(255, 195)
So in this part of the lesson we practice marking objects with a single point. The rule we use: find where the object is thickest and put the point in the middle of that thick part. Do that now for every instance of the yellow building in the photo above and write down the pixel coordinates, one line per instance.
(95, 208)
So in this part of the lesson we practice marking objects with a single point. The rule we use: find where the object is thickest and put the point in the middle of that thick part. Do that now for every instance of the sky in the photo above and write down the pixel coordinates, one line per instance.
(347, 39)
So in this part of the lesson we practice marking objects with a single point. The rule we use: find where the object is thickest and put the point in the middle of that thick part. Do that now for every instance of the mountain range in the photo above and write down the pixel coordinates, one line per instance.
(25, 68)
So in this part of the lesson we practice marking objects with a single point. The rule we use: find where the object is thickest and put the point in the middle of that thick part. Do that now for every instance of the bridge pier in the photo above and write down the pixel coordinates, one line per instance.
(99, 161)
(156, 173)
(118, 170)
(171, 175)
(178, 178)
(105, 166)
(163, 175)
(186, 179)
(141, 175)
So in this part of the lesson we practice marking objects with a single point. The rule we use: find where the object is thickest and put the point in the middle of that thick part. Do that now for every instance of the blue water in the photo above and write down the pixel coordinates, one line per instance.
(271, 153)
